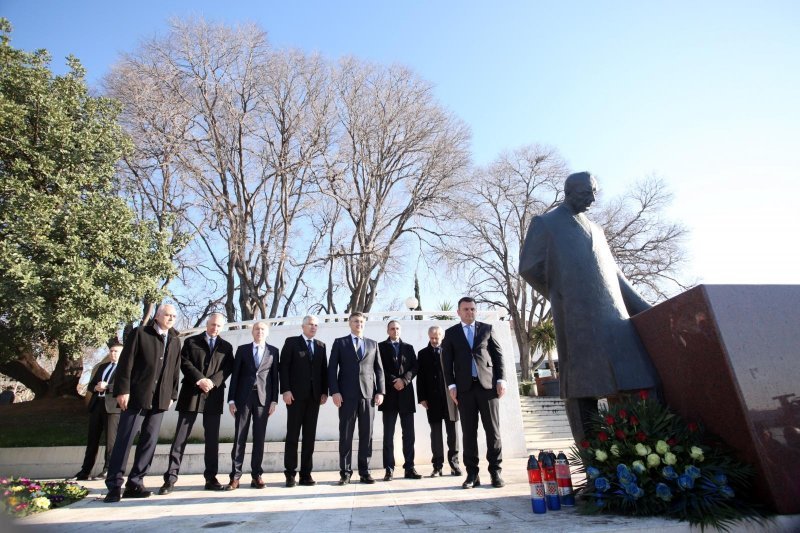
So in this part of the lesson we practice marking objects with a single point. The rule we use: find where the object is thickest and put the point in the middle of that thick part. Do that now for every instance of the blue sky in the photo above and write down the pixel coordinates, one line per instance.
(702, 94)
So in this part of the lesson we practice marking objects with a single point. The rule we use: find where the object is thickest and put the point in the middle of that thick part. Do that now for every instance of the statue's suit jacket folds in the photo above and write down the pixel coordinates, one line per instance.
(566, 258)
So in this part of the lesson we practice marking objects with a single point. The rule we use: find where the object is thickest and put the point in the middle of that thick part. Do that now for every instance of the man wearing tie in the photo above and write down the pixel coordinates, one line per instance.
(433, 396)
(400, 367)
(99, 417)
(355, 378)
(304, 385)
(206, 363)
(145, 385)
(253, 394)
(473, 369)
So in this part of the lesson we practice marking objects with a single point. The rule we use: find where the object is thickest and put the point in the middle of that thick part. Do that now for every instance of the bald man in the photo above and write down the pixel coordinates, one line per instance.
(145, 385)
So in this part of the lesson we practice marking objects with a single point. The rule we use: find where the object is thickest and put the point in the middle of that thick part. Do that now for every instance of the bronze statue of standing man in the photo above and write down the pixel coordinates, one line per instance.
(567, 259)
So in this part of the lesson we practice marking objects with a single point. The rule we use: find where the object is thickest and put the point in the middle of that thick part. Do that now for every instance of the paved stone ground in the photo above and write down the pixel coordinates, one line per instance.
(438, 504)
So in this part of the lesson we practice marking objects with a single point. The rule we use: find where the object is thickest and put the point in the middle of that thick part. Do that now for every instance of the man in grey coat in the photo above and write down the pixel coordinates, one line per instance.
(567, 259)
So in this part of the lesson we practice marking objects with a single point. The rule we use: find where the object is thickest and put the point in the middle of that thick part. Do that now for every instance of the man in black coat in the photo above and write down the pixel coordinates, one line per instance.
(474, 372)
(253, 395)
(99, 418)
(399, 368)
(145, 385)
(206, 363)
(432, 395)
(355, 378)
(304, 385)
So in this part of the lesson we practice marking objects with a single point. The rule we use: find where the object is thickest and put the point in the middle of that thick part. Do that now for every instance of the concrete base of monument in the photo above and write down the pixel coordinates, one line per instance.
(426, 504)
(65, 461)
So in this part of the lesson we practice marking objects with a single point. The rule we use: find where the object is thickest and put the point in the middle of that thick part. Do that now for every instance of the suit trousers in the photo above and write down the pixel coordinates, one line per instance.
(99, 420)
(259, 415)
(473, 402)
(131, 421)
(301, 415)
(186, 420)
(437, 443)
(407, 427)
(363, 411)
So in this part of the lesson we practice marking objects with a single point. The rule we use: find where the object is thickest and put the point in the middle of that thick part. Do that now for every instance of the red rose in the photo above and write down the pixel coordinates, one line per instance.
(634, 421)
(609, 420)
(623, 414)
(643, 394)
(672, 441)
(584, 444)
(603, 436)
(620, 434)
(641, 437)
(692, 427)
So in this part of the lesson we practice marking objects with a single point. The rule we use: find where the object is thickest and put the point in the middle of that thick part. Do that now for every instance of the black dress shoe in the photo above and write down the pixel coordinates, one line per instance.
(80, 476)
(436, 472)
(258, 483)
(136, 492)
(113, 496)
(344, 479)
(307, 481)
(166, 488)
(412, 473)
(455, 469)
(214, 485)
(497, 481)
(290, 482)
(102, 474)
(368, 479)
(389, 475)
(471, 481)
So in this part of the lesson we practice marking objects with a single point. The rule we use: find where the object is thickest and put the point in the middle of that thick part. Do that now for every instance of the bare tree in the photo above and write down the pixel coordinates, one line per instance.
(525, 183)
(399, 156)
(648, 249)
(229, 142)
(506, 196)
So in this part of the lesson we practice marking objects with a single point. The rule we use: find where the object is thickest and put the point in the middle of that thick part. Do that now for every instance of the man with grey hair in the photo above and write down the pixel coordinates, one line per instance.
(304, 385)
(433, 396)
(566, 258)
(206, 362)
(145, 385)
(253, 395)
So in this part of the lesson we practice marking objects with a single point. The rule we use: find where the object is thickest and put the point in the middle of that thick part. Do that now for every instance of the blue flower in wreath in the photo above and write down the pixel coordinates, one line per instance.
(625, 475)
(592, 472)
(720, 479)
(622, 469)
(669, 473)
(692, 471)
(632, 490)
(726, 491)
(663, 492)
(601, 484)
(686, 481)
(599, 502)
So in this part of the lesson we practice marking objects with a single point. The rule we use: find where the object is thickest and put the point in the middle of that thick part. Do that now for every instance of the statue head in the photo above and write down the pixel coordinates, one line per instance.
(580, 190)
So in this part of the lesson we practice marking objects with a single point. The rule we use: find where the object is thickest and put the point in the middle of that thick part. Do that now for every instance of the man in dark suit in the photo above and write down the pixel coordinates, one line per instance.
(473, 369)
(304, 385)
(145, 385)
(206, 363)
(399, 367)
(253, 394)
(433, 396)
(355, 378)
(99, 418)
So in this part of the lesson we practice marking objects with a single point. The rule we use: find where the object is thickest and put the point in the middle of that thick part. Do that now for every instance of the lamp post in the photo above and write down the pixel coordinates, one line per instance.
(412, 303)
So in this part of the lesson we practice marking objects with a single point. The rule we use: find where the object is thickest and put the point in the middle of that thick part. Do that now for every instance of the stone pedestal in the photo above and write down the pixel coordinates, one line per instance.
(729, 357)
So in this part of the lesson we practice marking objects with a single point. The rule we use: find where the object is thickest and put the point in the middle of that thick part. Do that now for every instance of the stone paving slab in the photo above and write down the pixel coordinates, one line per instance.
(438, 504)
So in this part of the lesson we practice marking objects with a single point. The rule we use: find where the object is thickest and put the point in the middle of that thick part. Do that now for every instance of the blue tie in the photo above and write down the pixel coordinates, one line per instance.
(310, 350)
(359, 348)
(471, 340)
(256, 356)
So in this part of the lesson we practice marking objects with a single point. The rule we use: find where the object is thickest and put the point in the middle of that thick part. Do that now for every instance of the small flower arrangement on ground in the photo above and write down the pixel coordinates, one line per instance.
(23, 496)
(643, 460)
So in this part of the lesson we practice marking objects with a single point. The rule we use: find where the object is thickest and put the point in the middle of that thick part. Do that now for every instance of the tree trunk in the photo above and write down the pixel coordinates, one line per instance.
(27, 371)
